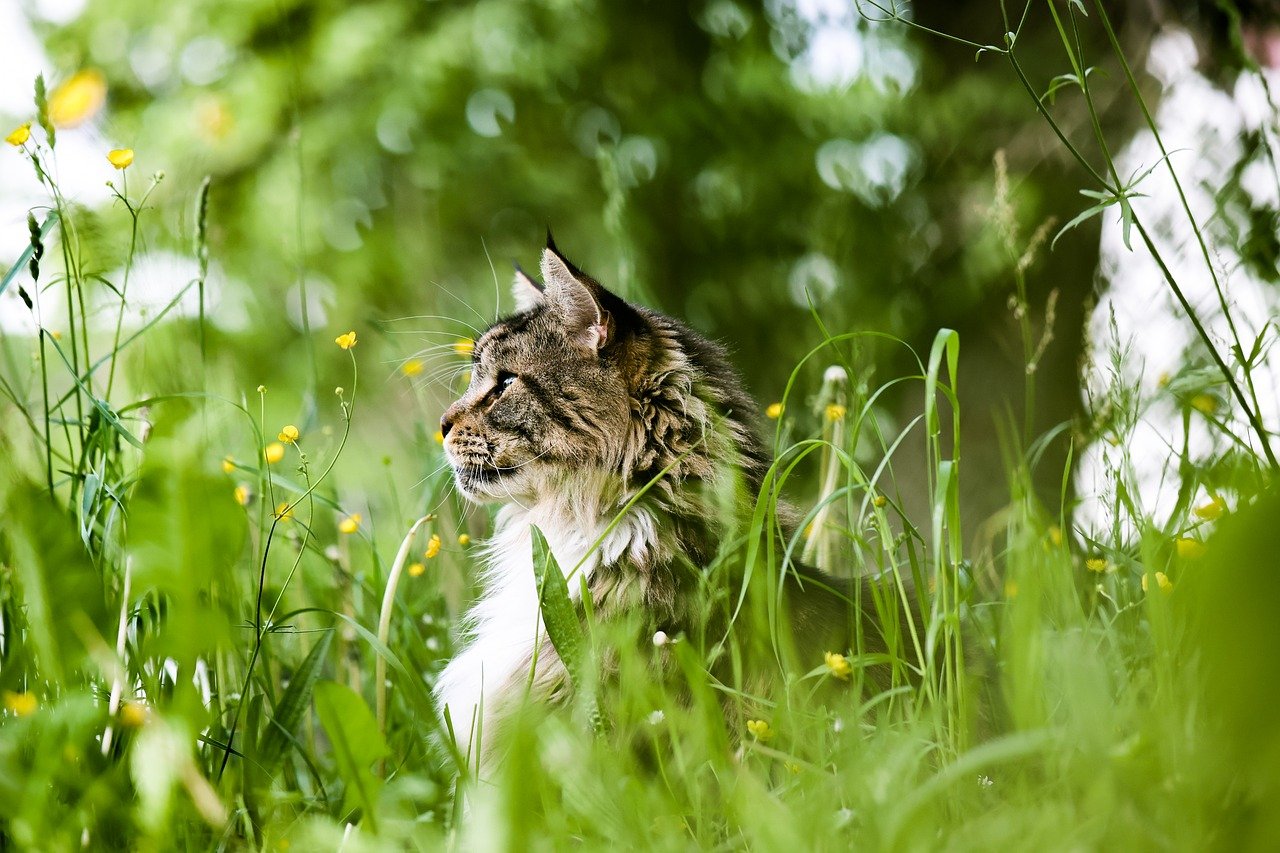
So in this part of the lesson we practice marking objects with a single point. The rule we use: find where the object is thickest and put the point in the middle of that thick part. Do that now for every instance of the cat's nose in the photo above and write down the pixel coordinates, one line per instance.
(446, 423)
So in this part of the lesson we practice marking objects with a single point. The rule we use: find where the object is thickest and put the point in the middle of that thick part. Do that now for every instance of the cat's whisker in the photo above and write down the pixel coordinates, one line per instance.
(434, 317)
(497, 289)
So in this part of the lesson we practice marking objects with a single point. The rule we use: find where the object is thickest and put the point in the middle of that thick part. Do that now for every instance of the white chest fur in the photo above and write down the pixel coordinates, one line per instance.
(505, 623)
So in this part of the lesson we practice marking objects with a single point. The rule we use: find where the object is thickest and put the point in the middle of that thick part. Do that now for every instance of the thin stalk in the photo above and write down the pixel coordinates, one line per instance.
(1253, 415)
(384, 627)
(1254, 421)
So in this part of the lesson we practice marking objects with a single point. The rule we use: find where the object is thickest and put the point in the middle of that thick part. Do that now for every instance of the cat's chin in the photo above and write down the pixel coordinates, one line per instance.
(487, 484)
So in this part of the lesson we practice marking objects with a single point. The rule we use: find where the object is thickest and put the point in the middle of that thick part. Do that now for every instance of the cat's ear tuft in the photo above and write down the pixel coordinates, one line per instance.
(573, 297)
(527, 292)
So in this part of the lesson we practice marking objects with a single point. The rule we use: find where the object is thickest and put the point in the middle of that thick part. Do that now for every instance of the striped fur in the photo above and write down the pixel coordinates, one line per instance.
(578, 402)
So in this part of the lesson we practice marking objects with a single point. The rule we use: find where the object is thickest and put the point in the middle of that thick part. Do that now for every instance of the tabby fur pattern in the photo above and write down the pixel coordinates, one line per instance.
(578, 402)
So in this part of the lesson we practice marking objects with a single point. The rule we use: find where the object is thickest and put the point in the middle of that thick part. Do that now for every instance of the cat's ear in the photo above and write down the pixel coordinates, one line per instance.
(573, 296)
(528, 293)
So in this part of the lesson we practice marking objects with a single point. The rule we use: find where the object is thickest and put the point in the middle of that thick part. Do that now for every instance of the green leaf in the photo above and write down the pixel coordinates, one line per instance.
(1082, 217)
(60, 591)
(357, 744)
(558, 613)
(186, 534)
(281, 729)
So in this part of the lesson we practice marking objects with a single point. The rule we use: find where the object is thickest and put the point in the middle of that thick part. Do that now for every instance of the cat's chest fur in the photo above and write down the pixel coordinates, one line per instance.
(505, 623)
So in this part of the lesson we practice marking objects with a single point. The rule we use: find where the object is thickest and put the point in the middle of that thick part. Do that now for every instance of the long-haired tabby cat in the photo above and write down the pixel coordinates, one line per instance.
(578, 402)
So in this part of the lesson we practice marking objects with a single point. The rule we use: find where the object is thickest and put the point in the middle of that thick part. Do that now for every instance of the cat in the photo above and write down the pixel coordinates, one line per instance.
(576, 403)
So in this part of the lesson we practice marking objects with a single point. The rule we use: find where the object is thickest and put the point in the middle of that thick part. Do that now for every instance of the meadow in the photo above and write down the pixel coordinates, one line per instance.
(231, 560)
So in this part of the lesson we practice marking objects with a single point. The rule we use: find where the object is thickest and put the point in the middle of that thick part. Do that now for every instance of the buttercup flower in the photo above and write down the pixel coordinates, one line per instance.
(773, 411)
(1055, 534)
(121, 158)
(1189, 549)
(880, 500)
(1204, 403)
(433, 546)
(346, 341)
(464, 539)
(1162, 581)
(288, 434)
(274, 452)
(133, 714)
(21, 704)
(439, 437)
(836, 412)
(464, 346)
(1096, 564)
(78, 99)
(228, 465)
(1211, 510)
(839, 665)
(350, 524)
(412, 367)
(20, 135)
(416, 569)
(284, 512)
(242, 495)
(760, 730)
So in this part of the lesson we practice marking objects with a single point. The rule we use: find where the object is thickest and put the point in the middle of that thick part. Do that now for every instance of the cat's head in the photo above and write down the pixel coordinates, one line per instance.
(551, 388)
(580, 390)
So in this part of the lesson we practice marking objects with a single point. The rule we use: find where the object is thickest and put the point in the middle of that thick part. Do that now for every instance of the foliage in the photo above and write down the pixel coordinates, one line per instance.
(202, 644)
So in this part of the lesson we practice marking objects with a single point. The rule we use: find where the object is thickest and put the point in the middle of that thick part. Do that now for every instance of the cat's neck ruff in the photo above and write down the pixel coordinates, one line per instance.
(584, 531)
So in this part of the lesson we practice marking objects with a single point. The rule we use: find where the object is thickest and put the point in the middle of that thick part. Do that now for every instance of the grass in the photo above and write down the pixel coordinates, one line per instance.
(202, 646)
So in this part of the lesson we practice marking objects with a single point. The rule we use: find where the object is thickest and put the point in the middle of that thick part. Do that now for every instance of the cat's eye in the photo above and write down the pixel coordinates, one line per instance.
(504, 380)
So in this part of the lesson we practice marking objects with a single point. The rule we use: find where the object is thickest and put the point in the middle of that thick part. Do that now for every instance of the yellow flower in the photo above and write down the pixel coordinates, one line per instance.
(1162, 581)
(416, 569)
(836, 412)
(243, 495)
(439, 437)
(412, 367)
(78, 99)
(839, 665)
(464, 346)
(214, 118)
(274, 452)
(464, 539)
(1204, 403)
(133, 714)
(228, 465)
(1190, 549)
(773, 411)
(350, 524)
(1096, 564)
(20, 135)
(20, 704)
(1163, 379)
(433, 546)
(346, 341)
(1055, 534)
(880, 500)
(121, 158)
(760, 730)
(288, 434)
(1212, 509)
(284, 512)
